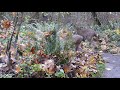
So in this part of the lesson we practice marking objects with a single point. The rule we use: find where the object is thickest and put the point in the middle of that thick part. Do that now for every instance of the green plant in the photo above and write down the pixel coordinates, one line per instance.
(62, 58)
(36, 67)
(50, 43)
(100, 70)
(60, 74)
(6, 75)
(25, 70)
(111, 35)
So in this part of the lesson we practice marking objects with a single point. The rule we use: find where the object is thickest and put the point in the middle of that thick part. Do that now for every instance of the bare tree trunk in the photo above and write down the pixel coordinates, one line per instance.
(96, 20)
(36, 15)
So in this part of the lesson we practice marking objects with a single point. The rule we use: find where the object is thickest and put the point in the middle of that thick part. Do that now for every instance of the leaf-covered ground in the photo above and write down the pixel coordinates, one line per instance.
(40, 49)
(37, 53)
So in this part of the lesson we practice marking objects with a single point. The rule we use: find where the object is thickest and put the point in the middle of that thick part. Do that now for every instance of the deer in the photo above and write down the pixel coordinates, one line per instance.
(77, 39)
(86, 34)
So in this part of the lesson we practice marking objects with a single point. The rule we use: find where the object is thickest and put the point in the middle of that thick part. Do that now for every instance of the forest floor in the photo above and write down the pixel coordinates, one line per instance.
(112, 66)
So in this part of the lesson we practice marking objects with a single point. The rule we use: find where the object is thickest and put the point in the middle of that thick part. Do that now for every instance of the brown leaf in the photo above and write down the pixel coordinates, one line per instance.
(6, 24)
(66, 68)
(49, 66)
(84, 75)
(32, 50)
(36, 61)
(51, 70)
(42, 54)
(92, 60)
(18, 69)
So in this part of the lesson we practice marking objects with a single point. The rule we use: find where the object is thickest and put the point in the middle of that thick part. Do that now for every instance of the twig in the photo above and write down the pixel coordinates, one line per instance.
(16, 38)
(9, 42)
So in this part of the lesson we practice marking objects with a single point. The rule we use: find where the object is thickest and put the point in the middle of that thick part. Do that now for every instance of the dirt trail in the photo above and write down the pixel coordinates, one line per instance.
(112, 69)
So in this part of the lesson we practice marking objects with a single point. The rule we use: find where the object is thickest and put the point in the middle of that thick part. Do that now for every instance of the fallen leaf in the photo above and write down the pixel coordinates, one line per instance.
(49, 66)
(36, 61)
(101, 62)
(18, 69)
(84, 75)
(51, 70)
(92, 60)
(66, 68)
(6, 24)
(108, 69)
(32, 50)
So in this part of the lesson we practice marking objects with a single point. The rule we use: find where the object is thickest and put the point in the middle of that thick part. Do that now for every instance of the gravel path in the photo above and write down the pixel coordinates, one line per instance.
(112, 69)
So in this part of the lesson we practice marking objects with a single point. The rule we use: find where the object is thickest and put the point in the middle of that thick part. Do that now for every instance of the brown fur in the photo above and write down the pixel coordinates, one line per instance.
(77, 39)
(88, 34)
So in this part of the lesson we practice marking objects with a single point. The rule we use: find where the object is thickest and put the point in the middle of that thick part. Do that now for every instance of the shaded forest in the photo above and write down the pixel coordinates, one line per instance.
(57, 44)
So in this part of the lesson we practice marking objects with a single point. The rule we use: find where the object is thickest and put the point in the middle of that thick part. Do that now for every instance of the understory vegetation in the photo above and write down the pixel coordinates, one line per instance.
(46, 49)
(110, 37)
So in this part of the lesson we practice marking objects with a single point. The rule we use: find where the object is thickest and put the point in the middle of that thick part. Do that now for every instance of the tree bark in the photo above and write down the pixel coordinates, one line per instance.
(96, 20)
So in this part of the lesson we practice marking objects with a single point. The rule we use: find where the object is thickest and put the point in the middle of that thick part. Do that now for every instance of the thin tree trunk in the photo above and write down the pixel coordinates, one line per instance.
(96, 20)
